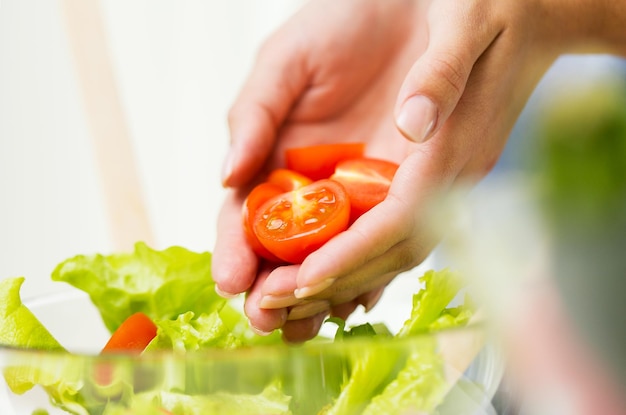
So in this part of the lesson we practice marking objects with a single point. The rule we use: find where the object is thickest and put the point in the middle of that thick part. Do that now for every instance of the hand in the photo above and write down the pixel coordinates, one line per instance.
(452, 75)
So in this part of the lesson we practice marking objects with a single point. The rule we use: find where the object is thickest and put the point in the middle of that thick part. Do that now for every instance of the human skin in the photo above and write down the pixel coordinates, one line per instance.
(435, 86)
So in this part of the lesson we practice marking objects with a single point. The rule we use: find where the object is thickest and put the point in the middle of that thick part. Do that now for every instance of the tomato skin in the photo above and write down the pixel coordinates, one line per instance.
(133, 335)
(259, 195)
(288, 180)
(319, 161)
(294, 224)
(367, 181)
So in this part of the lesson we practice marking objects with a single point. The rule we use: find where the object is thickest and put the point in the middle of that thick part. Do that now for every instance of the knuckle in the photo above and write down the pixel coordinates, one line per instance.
(407, 256)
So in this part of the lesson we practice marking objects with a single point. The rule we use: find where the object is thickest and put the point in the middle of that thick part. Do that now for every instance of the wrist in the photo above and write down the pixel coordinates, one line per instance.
(587, 25)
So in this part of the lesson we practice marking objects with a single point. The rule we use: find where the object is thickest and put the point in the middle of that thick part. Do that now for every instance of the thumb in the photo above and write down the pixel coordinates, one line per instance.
(437, 80)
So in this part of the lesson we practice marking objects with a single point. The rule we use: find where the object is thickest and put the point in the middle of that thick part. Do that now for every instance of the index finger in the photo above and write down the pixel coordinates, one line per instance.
(275, 83)
(234, 265)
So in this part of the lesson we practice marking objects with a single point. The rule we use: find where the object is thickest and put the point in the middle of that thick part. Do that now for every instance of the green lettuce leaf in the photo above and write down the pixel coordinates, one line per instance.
(359, 386)
(421, 385)
(430, 303)
(271, 401)
(362, 330)
(223, 329)
(382, 382)
(162, 284)
(417, 388)
(371, 369)
(187, 333)
(18, 325)
(59, 375)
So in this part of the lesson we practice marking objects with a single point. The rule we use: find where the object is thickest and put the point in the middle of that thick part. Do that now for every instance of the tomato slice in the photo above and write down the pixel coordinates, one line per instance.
(133, 335)
(319, 161)
(367, 181)
(259, 195)
(294, 224)
(288, 180)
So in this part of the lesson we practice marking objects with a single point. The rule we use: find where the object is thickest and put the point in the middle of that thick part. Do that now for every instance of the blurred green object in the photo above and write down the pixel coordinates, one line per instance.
(582, 179)
(582, 154)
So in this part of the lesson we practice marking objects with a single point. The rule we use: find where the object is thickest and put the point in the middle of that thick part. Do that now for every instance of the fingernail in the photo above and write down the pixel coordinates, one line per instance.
(227, 167)
(224, 294)
(417, 118)
(372, 301)
(277, 301)
(313, 289)
(259, 331)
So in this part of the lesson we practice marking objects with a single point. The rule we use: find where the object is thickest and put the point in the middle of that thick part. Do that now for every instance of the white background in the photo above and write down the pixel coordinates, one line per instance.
(178, 66)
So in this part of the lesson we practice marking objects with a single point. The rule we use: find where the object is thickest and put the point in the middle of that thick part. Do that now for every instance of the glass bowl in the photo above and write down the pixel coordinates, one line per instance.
(458, 372)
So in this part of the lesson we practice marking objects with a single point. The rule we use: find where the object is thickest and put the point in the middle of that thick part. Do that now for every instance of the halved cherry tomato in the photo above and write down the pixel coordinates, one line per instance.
(366, 180)
(259, 195)
(288, 180)
(279, 181)
(133, 335)
(319, 161)
(294, 224)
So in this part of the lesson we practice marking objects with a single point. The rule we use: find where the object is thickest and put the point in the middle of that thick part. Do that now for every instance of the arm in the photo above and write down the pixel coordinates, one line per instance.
(435, 86)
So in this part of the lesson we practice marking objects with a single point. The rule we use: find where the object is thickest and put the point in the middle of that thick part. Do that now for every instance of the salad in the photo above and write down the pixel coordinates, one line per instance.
(181, 315)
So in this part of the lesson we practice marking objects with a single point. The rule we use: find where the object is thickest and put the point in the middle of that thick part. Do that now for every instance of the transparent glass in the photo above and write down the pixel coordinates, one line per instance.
(311, 375)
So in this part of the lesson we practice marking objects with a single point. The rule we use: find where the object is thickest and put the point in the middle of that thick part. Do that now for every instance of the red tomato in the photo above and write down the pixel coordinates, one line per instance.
(318, 162)
(259, 195)
(288, 180)
(366, 180)
(294, 224)
(134, 334)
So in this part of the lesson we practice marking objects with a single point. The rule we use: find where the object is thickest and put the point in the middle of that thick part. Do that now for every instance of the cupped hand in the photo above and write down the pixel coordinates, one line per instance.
(434, 85)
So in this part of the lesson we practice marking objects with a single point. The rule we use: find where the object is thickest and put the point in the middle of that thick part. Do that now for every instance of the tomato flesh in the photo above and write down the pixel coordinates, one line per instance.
(319, 161)
(288, 180)
(366, 180)
(294, 224)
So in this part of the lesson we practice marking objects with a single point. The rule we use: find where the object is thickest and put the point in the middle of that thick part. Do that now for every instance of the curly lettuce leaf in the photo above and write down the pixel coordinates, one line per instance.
(56, 372)
(18, 325)
(362, 330)
(430, 303)
(270, 401)
(224, 329)
(187, 333)
(419, 386)
(381, 382)
(371, 369)
(161, 284)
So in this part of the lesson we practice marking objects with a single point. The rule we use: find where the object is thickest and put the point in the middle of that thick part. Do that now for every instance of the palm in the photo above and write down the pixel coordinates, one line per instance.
(349, 86)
